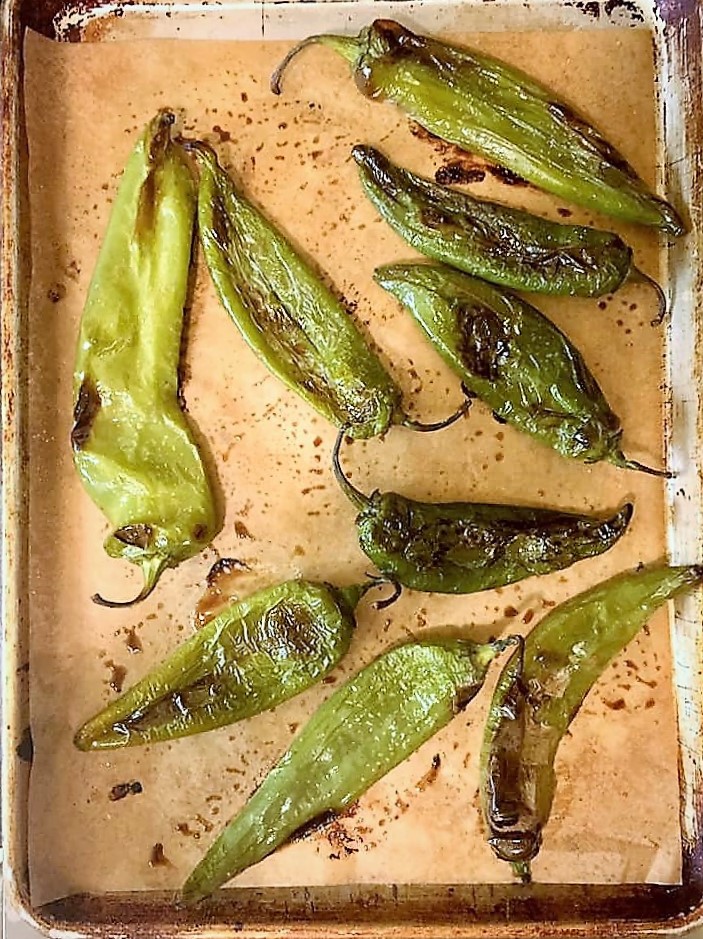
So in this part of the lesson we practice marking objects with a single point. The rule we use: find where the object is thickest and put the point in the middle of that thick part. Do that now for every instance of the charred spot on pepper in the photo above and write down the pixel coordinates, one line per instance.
(432, 217)
(592, 138)
(145, 220)
(378, 168)
(588, 384)
(219, 224)
(287, 625)
(161, 139)
(139, 535)
(315, 825)
(84, 413)
(484, 344)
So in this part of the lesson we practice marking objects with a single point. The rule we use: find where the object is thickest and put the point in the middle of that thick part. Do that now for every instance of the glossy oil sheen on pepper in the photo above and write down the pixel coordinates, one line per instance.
(541, 690)
(249, 658)
(365, 729)
(132, 444)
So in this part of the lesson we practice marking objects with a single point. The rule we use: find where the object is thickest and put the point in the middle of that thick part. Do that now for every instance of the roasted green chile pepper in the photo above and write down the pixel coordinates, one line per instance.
(288, 315)
(464, 547)
(367, 727)
(132, 445)
(514, 359)
(258, 652)
(540, 692)
(485, 106)
(496, 242)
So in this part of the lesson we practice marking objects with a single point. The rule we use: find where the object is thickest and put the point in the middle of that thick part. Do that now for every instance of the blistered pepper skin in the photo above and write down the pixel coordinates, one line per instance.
(494, 242)
(465, 547)
(132, 445)
(514, 359)
(484, 106)
(540, 691)
(257, 653)
(286, 313)
(367, 727)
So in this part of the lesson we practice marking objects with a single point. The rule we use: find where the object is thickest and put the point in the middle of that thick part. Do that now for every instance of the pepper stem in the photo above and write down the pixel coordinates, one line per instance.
(522, 870)
(346, 46)
(355, 496)
(152, 569)
(439, 425)
(619, 459)
(637, 275)
(390, 600)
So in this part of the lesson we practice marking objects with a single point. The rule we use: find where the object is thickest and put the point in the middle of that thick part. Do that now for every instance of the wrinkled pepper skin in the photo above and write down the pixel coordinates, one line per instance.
(465, 547)
(367, 727)
(132, 445)
(286, 313)
(497, 243)
(540, 692)
(258, 652)
(513, 358)
(485, 106)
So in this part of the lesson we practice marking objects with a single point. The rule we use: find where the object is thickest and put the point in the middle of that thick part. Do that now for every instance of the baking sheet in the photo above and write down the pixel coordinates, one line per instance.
(616, 814)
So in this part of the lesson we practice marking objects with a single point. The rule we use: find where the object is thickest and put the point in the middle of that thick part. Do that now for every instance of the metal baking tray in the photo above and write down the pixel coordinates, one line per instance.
(376, 894)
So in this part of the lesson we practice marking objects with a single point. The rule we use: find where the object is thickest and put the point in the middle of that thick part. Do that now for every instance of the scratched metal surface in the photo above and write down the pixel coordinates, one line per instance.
(409, 908)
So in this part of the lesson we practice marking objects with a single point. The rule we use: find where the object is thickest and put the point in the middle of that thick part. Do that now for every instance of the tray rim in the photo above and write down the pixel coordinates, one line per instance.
(663, 908)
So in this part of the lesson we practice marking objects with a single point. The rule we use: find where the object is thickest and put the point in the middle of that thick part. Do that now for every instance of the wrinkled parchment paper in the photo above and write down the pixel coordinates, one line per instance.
(615, 814)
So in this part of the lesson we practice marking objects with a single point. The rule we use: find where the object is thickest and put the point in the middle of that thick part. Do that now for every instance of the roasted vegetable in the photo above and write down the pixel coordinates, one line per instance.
(487, 107)
(288, 315)
(512, 357)
(464, 547)
(495, 242)
(132, 445)
(369, 725)
(540, 692)
(257, 653)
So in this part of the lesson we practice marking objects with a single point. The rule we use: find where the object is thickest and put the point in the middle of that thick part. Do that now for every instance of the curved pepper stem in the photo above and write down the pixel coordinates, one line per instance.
(152, 569)
(638, 276)
(390, 600)
(439, 425)
(346, 46)
(355, 496)
(619, 459)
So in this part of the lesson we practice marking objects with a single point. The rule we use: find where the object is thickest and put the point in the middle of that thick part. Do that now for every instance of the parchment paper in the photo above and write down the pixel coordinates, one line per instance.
(615, 814)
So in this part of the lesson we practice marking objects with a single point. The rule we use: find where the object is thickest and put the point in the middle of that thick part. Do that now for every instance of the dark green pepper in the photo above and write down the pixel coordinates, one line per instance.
(257, 653)
(464, 547)
(132, 444)
(495, 242)
(512, 357)
(368, 726)
(485, 106)
(288, 315)
(540, 692)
